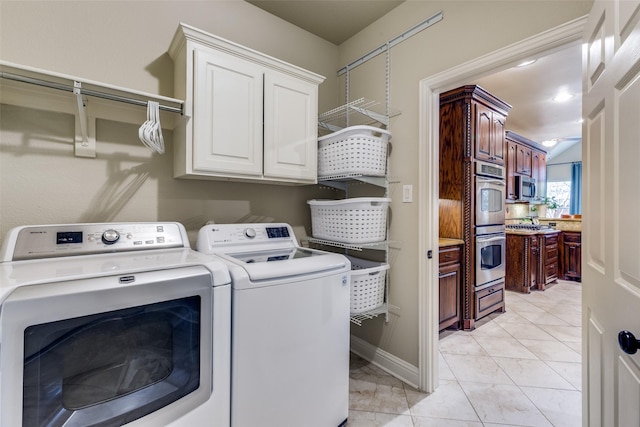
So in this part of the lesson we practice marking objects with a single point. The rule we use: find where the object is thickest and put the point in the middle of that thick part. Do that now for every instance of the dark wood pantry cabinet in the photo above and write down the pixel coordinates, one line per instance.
(472, 127)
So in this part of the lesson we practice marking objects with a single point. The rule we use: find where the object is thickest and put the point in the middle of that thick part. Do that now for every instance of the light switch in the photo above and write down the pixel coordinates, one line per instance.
(407, 193)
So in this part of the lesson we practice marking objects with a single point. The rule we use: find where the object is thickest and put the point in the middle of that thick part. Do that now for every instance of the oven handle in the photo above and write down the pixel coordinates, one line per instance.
(490, 239)
(491, 181)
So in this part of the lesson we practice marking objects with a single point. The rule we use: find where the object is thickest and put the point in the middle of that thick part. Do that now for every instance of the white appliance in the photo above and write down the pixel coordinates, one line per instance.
(290, 326)
(109, 324)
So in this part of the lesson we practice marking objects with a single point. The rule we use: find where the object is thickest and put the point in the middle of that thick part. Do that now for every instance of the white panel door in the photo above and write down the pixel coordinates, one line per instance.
(290, 128)
(227, 122)
(611, 200)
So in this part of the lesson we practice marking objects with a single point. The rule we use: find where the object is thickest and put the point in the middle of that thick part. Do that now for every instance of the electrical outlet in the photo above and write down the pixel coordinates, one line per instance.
(407, 193)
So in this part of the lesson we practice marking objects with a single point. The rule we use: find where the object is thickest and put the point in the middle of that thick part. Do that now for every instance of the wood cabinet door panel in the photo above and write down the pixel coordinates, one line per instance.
(449, 295)
(523, 160)
(497, 139)
(511, 170)
(484, 133)
(539, 172)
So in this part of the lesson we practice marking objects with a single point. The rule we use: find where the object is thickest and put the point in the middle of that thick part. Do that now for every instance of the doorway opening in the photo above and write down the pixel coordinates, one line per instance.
(430, 88)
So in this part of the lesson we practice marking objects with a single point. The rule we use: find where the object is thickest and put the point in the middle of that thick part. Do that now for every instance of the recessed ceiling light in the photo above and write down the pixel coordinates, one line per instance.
(525, 63)
(562, 97)
(550, 142)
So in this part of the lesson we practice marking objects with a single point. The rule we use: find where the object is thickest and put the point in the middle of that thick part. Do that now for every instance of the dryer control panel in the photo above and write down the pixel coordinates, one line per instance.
(48, 241)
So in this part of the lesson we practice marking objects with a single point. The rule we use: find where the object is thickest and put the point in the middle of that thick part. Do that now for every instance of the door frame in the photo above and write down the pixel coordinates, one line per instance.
(429, 113)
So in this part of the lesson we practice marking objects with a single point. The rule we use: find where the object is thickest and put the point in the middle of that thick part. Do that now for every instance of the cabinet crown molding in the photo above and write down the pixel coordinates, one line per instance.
(479, 94)
(186, 33)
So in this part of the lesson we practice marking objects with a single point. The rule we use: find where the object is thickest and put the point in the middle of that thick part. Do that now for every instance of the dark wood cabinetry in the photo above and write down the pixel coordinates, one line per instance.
(449, 286)
(523, 262)
(489, 300)
(548, 244)
(512, 148)
(532, 261)
(539, 171)
(472, 127)
(525, 158)
(490, 143)
(570, 253)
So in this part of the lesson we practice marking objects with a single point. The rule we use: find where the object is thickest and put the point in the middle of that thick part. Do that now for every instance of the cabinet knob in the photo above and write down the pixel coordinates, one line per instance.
(628, 342)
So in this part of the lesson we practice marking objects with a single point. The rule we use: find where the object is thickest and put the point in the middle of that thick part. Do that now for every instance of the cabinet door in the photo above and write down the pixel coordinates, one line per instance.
(489, 137)
(539, 172)
(511, 170)
(483, 136)
(449, 295)
(290, 128)
(227, 115)
(497, 138)
(523, 160)
(571, 255)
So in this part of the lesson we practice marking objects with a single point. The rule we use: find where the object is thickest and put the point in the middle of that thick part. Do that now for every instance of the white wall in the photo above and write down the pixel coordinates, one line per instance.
(469, 29)
(125, 44)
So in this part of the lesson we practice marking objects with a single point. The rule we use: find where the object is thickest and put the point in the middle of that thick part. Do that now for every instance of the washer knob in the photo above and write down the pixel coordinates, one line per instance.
(109, 237)
(250, 233)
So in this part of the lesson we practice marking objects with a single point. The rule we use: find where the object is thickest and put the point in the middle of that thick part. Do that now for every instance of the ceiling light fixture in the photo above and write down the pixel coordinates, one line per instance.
(525, 63)
(562, 97)
(550, 142)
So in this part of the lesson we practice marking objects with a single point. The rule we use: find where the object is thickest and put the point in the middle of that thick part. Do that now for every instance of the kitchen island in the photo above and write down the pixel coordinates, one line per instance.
(532, 259)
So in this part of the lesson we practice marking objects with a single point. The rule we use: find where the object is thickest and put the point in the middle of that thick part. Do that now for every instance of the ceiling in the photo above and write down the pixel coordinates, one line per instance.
(528, 89)
(332, 20)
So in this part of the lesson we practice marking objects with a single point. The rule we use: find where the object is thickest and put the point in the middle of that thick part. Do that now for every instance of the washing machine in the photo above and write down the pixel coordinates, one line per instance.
(290, 326)
(112, 324)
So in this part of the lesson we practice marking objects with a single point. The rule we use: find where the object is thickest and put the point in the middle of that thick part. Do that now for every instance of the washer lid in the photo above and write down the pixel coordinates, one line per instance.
(287, 263)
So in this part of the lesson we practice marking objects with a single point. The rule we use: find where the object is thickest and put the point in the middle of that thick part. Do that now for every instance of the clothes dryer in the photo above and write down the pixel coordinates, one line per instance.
(112, 324)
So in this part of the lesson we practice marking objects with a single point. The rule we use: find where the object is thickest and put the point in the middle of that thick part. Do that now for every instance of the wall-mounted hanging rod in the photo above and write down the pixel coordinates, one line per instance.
(83, 91)
(383, 48)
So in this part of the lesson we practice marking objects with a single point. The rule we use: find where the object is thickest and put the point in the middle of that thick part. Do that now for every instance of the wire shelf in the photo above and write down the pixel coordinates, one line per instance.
(358, 318)
(359, 112)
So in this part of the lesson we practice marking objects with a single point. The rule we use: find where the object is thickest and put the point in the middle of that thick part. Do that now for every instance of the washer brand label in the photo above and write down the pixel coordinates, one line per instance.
(127, 279)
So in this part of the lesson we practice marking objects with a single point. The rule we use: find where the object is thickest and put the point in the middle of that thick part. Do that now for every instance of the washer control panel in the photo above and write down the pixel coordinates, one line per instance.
(253, 236)
(47, 241)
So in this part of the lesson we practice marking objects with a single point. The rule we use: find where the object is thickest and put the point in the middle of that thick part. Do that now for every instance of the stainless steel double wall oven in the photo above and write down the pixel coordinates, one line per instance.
(490, 240)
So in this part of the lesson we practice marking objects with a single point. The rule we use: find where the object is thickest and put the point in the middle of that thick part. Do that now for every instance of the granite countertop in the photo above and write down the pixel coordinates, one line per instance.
(446, 241)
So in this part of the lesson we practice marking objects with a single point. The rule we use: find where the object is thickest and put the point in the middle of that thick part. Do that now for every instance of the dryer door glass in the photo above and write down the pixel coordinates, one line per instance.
(88, 370)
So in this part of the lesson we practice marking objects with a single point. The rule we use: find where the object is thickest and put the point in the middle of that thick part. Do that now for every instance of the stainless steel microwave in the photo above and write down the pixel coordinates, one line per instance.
(525, 188)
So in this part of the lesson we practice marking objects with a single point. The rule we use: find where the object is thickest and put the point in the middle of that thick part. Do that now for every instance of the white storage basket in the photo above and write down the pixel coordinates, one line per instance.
(357, 220)
(368, 279)
(353, 150)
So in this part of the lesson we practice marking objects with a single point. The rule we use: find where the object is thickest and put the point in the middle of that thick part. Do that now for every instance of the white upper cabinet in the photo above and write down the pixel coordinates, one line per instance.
(248, 116)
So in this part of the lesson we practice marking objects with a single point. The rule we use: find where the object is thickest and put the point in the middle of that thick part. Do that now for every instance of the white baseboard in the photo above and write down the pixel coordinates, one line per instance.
(389, 363)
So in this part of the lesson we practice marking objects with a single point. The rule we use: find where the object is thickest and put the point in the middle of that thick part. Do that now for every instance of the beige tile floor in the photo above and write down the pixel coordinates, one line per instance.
(519, 368)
